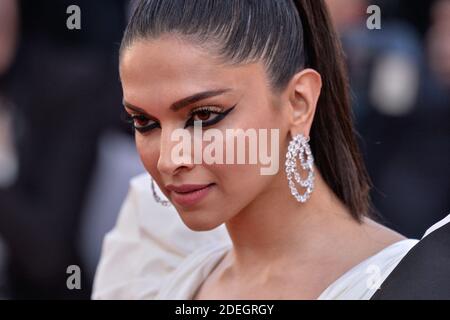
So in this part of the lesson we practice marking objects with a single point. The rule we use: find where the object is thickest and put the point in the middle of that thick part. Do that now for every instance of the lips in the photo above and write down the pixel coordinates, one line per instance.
(189, 194)
(185, 188)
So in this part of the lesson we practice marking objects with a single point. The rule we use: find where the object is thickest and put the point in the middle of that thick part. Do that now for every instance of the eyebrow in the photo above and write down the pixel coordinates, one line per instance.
(185, 101)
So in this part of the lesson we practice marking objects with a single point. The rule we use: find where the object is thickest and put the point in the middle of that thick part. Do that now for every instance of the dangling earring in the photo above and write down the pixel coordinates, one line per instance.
(298, 147)
(157, 198)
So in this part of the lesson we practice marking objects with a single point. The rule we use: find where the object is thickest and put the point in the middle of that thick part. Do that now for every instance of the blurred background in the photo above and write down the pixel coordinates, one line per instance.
(66, 157)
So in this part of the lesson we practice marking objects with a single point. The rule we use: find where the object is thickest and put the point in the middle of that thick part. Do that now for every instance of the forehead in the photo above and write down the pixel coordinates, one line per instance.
(164, 70)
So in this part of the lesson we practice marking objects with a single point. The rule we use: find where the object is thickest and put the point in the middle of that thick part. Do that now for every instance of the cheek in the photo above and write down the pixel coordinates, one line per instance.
(148, 150)
(239, 185)
(239, 178)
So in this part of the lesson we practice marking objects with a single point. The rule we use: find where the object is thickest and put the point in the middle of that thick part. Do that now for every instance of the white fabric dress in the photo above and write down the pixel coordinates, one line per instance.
(151, 254)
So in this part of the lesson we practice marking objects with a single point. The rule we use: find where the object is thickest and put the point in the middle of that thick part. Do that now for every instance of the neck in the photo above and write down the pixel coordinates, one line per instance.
(276, 226)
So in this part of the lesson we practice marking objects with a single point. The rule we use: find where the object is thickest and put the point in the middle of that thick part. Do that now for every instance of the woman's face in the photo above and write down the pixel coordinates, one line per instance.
(157, 73)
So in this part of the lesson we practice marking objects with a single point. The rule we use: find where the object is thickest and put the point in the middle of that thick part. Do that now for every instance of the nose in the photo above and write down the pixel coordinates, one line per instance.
(174, 154)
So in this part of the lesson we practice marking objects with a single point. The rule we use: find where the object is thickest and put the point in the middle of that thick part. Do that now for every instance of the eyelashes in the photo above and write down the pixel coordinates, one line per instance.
(208, 116)
(134, 119)
(140, 122)
(202, 111)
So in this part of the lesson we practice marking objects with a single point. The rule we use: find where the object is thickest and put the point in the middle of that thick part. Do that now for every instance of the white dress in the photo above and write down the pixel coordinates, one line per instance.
(151, 254)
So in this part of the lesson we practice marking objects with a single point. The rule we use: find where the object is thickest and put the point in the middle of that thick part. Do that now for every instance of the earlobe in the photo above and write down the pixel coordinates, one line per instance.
(304, 91)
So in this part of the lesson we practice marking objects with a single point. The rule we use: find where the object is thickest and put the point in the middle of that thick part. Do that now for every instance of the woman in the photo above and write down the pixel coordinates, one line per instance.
(304, 232)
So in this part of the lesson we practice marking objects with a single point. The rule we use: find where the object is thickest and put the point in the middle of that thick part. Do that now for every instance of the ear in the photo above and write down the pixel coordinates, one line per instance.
(303, 93)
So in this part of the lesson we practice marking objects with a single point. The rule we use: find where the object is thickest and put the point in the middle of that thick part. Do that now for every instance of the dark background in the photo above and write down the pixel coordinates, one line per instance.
(61, 94)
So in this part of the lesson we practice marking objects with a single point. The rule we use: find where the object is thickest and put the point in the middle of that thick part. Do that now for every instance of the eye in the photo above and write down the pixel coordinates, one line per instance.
(202, 115)
(207, 115)
(140, 122)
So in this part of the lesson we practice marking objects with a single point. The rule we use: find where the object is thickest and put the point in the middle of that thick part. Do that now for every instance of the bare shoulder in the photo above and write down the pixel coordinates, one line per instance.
(380, 233)
(366, 240)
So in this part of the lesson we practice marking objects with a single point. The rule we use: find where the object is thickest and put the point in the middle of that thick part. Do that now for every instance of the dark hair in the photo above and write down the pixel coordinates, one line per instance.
(287, 36)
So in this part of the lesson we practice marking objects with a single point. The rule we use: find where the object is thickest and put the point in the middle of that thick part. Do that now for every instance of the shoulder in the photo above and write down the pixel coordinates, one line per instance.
(376, 250)
(423, 272)
(147, 244)
(362, 281)
(381, 233)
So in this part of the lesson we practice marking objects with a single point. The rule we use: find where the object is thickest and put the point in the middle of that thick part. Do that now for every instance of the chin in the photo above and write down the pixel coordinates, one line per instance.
(198, 222)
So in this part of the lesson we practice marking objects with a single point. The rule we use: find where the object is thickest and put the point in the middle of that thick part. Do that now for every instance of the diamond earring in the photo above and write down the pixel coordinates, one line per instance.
(157, 198)
(299, 147)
